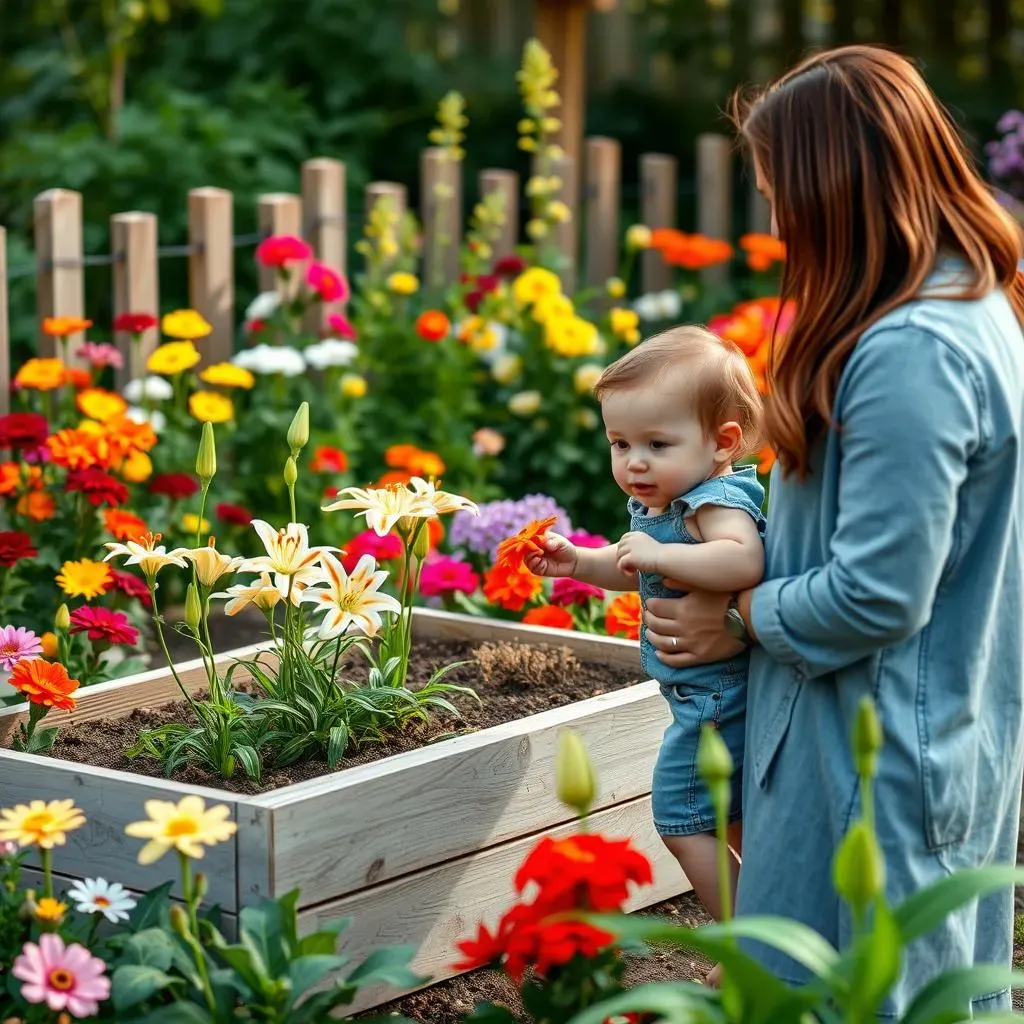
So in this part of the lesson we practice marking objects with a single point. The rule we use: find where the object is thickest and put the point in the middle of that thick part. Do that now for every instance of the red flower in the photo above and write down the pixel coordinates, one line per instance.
(509, 266)
(566, 591)
(549, 615)
(132, 586)
(329, 285)
(14, 546)
(328, 460)
(342, 326)
(482, 287)
(233, 515)
(280, 250)
(483, 951)
(99, 487)
(369, 543)
(544, 946)
(23, 430)
(134, 323)
(175, 486)
(433, 325)
(101, 624)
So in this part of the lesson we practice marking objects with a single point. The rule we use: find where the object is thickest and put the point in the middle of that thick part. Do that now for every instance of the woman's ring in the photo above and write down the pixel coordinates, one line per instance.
(675, 643)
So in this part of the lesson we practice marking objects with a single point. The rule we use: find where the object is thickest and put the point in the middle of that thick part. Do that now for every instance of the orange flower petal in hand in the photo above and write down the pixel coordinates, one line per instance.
(513, 550)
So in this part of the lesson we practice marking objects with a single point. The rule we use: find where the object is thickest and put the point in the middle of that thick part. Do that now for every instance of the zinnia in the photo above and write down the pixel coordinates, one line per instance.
(327, 284)
(103, 625)
(185, 325)
(623, 616)
(444, 575)
(44, 682)
(62, 326)
(234, 515)
(99, 487)
(66, 978)
(549, 615)
(510, 587)
(433, 325)
(227, 375)
(566, 591)
(341, 326)
(176, 486)
(17, 642)
(14, 546)
(369, 542)
(40, 375)
(210, 407)
(280, 250)
(134, 323)
(23, 430)
(100, 354)
(173, 357)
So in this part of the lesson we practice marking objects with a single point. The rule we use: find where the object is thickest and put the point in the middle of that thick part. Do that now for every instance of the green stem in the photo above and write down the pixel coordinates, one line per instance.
(158, 623)
(191, 902)
(202, 512)
(46, 859)
(211, 672)
(291, 502)
(724, 856)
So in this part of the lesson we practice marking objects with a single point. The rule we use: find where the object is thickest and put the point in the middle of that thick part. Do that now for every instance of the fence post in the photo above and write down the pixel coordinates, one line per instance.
(604, 179)
(60, 283)
(211, 266)
(323, 206)
(133, 241)
(441, 203)
(506, 182)
(5, 331)
(714, 196)
(279, 213)
(566, 236)
(377, 190)
(658, 194)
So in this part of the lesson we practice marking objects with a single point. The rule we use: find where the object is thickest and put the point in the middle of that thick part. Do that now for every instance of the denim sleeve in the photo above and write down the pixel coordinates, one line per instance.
(910, 412)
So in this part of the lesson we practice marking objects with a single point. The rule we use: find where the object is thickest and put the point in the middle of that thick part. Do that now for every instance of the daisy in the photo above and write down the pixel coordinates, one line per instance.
(98, 896)
(64, 977)
(17, 642)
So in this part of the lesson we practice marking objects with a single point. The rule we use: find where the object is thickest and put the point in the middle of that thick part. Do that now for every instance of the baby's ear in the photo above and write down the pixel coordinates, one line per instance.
(728, 442)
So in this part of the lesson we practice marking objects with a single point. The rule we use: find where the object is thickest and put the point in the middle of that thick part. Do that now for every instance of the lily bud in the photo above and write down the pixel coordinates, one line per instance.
(421, 548)
(206, 460)
(298, 432)
(867, 738)
(179, 920)
(201, 887)
(575, 782)
(859, 867)
(193, 609)
(62, 620)
(291, 472)
(714, 762)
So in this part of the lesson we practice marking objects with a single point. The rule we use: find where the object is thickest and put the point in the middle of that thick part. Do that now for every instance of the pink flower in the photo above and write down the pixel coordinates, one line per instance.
(280, 250)
(17, 642)
(582, 539)
(8, 848)
(444, 575)
(368, 543)
(329, 285)
(99, 354)
(342, 326)
(103, 624)
(65, 978)
(565, 591)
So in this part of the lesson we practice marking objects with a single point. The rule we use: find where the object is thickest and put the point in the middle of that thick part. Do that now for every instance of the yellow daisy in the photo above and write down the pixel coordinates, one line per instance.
(186, 826)
(403, 283)
(84, 578)
(173, 358)
(184, 324)
(49, 909)
(39, 823)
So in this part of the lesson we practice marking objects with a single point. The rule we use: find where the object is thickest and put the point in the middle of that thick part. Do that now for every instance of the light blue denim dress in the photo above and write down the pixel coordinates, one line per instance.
(894, 571)
(714, 694)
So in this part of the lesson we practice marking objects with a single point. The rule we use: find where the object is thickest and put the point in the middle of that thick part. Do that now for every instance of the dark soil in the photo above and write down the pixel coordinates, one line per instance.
(549, 678)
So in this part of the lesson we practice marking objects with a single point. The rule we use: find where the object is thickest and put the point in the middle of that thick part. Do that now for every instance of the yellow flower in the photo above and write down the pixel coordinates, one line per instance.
(41, 374)
(507, 369)
(626, 324)
(186, 826)
(191, 523)
(147, 553)
(586, 377)
(353, 386)
(535, 283)
(137, 467)
(524, 403)
(210, 407)
(173, 358)
(403, 283)
(558, 211)
(537, 229)
(49, 909)
(40, 824)
(99, 404)
(587, 418)
(571, 336)
(638, 236)
(50, 645)
(185, 324)
(615, 287)
(210, 564)
(550, 306)
(85, 578)
(227, 375)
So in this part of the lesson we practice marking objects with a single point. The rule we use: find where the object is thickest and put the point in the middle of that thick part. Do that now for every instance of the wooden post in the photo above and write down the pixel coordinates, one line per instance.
(133, 238)
(326, 228)
(60, 283)
(714, 196)
(603, 192)
(279, 213)
(5, 330)
(658, 195)
(567, 235)
(377, 190)
(441, 203)
(506, 182)
(211, 267)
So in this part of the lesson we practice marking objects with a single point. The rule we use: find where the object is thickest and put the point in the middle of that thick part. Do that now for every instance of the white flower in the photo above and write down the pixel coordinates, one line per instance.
(150, 555)
(383, 506)
(210, 564)
(155, 418)
(98, 896)
(288, 552)
(351, 600)
(263, 306)
(267, 359)
(442, 502)
(330, 352)
(665, 305)
(261, 592)
(156, 389)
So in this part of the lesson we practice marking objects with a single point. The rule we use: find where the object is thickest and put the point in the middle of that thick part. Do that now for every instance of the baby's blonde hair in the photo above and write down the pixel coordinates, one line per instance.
(720, 388)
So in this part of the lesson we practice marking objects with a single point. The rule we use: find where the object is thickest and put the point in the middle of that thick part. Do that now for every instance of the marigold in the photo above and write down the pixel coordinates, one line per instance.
(138, 466)
(40, 375)
(173, 357)
(551, 307)
(549, 615)
(210, 407)
(100, 404)
(762, 250)
(62, 326)
(77, 377)
(765, 460)
(511, 588)
(126, 435)
(624, 616)
(185, 325)
(16, 477)
(433, 325)
(46, 683)
(123, 525)
(227, 375)
(39, 506)
(79, 449)
(49, 909)
(513, 550)
(691, 252)
(571, 336)
(533, 284)
(403, 283)
(85, 578)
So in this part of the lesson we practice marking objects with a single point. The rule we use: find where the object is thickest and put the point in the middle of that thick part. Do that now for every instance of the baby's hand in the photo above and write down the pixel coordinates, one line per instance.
(637, 552)
(558, 558)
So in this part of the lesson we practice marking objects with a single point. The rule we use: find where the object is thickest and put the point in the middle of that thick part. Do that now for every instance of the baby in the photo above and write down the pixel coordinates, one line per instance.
(679, 410)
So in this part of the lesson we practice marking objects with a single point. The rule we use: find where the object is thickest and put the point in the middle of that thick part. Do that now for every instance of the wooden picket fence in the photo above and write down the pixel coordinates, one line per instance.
(592, 240)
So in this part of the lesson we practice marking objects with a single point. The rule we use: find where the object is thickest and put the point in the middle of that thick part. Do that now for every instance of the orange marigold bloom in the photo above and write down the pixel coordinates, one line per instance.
(513, 550)
(425, 464)
(40, 375)
(623, 616)
(37, 506)
(692, 252)
(16, 476)
(433, 325)
(77, 377)
(44, 682)
(123, 525)
(62, 326)
(394, 476)
(79, 448)
(549, 615)
(763, 250)
(398, 455)
(127, 436)
(511, 587)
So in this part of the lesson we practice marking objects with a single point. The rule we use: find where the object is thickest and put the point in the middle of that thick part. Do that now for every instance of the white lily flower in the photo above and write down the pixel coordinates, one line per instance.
(442, 502)
(351, 599)
(98, 896)
(288, 550)
(147, 553)
(211, 564)
(262, 593)
(383, 506)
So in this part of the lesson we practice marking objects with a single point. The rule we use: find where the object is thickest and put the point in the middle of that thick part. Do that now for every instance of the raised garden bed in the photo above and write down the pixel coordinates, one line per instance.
(417, 847)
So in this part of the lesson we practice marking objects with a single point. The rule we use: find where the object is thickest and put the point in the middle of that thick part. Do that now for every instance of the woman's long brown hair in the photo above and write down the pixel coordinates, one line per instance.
(869, 183)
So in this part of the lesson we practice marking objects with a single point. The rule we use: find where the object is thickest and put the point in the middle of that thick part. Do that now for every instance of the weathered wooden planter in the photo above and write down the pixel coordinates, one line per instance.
(417, 847)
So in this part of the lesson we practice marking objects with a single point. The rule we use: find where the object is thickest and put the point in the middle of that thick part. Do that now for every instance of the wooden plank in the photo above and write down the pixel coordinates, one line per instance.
(60, 281)
(5, 330)
(110, 800)
(603, 201)
(136, 285)
(441, 206)
(433, 909)
(506, 182)
(714, 196)
(324, 213)
(211, 267)
(280, 213)
(255, 854)
(658, 197)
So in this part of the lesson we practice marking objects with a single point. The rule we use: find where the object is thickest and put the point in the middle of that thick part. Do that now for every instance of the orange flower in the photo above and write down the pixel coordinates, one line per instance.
(44, 682)
(398, 455)
(762, 251)
(15, 477)
(123, 525)
(77, 377)
(425, 464)
(623, 616)
(40, 375)
(435, 532)
(692, 252)
(511, 587)
(79, 449)
(100, 404)
(549, 615)
(37, 506)
(765, 460)
(392, 477)
(433, 325)
(62, 326)
(513, 550)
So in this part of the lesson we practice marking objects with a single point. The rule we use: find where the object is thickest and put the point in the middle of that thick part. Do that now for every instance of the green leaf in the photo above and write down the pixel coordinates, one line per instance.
(259, 931)
(153, 909)
(947, 999)
(673, 1002)
(245, 966)
(306, 971)
(152, 947)
(876, 962)
(179, 1013)
(337, 742)
(135, 983)
(249, 759)
(387, 967)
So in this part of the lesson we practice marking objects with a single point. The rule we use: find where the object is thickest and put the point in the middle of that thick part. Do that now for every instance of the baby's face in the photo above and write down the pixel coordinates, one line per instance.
(659, 450)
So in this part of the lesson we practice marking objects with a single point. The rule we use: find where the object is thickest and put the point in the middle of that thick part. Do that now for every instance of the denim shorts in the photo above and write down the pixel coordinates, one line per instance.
(680, 800)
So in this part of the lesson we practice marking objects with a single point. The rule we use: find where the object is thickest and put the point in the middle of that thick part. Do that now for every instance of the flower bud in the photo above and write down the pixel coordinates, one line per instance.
(206, 460)
(291, 472)
(179, 920)
(193, 609)
(714, 762)
(421, 547)
(867, 738)
(201, 887)
(859, 868)
(638, 236)
(62, 620)
(298, 432)
(575, 782)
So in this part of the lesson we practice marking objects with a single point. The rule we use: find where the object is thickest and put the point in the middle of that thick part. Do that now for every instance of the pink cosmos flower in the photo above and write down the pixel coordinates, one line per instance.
(17, 642)
(566, 591)
(582, 539)
(101, 624)
(280, 250)
(329, 285)
(341, 326)
(99, 354)
(444, 575)
(64, 977)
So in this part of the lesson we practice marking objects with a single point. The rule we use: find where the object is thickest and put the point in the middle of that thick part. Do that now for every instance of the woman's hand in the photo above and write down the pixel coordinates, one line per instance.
(690, 630)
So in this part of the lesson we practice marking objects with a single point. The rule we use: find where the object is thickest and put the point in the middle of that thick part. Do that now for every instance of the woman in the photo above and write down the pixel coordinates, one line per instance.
(896, 524)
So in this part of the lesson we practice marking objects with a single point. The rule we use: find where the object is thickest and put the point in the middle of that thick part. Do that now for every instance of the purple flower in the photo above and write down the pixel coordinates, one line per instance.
(482, 534)
(17, 642)
(1011, 121)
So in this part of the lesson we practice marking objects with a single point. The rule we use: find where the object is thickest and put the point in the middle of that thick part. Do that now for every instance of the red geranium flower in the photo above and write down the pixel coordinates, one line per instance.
(132, 586)
(486, 950)
(175, 486)
(99, 487)
(103, 624)
(280, 250)
(23, 430)
(134, 323)
(14, 546)
(509, 266)
(233, 515)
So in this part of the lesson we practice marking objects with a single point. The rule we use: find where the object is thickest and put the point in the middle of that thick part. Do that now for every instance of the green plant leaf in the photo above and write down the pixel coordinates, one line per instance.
(337, 742)
(135, 983)
(673, 1002)
(152, 947)
(387, 967)
(947, 999)
(246, 967)
(876, 962)
(306, 971)
(153, 909)
(179, 1013)
(249, 759)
